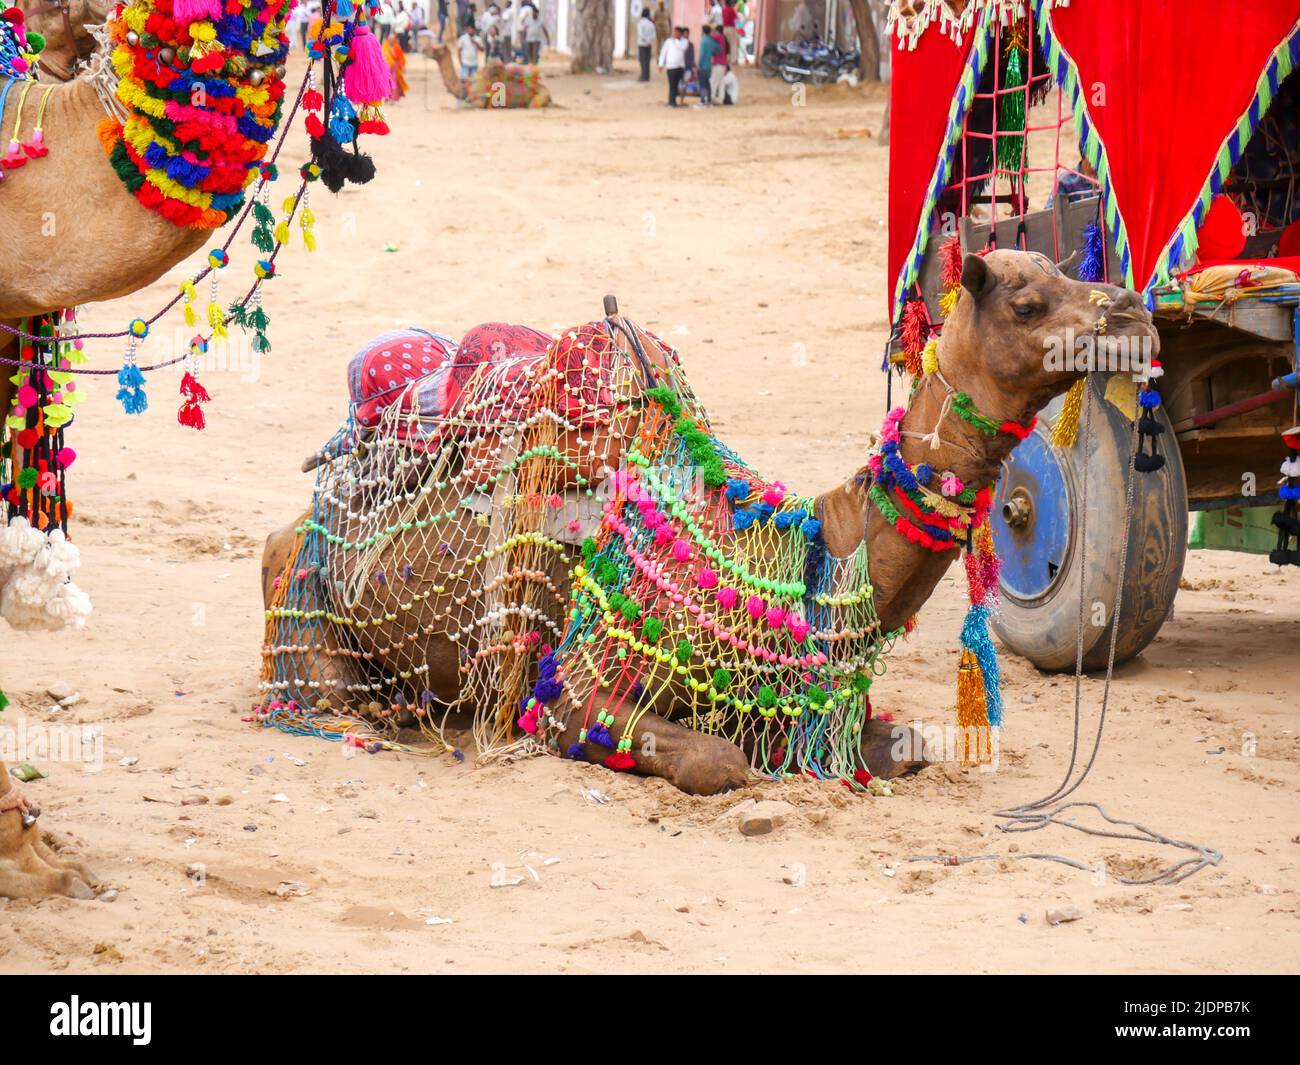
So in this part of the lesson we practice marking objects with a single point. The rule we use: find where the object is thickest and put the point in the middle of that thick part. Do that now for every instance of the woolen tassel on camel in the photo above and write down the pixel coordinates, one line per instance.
(366, 78)
(972, 713)
(187, 11)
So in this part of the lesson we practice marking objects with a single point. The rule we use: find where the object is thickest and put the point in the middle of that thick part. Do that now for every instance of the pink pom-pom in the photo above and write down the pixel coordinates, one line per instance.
(27, 396)
(798, 628)
(707, 578)
(773, 496)
(755, 606)
(681, 551)
(65, 457)
(775, 617)
(187, 11)
(528, 721)
(366, 79)
(951, 485)
(726, 598)
(662, 535)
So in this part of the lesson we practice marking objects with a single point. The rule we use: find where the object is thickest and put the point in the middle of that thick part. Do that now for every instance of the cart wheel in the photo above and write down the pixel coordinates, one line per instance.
(1036, 529)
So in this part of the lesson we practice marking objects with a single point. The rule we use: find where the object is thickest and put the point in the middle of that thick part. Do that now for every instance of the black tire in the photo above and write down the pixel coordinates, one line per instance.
(790, 76)
(1044, 628)
(770, 63)
(823, 72)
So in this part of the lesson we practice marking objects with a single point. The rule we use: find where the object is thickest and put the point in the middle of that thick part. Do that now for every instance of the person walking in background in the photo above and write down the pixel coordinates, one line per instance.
(442, 19)
(384, 21)
(688, 63)
(645, 41)
(492, 43)
(508, 31)
(534, 34)
(402, 26)
(663, 25)
(470, 46)
(729, 31)
(672, 60)
(704, 64)
(721, 61)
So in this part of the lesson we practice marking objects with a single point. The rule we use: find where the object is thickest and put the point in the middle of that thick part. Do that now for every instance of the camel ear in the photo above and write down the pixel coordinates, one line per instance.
(976, 277)
(1068, 262)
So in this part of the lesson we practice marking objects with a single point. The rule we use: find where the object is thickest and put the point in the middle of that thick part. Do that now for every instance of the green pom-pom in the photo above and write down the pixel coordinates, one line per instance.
(589, 548)
(4, 701)
(616, 600)
(606, 571)
(651, 629)
(684, 651)
(766, 697)
(817, 695)
(862, 683)
(721, 679)
(663, 395)
(631, 610)
(35, 45)
(27, 478)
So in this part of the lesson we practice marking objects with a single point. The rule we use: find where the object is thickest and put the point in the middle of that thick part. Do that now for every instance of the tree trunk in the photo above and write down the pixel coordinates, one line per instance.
(883, 139)
(869, 57)
(593, 38)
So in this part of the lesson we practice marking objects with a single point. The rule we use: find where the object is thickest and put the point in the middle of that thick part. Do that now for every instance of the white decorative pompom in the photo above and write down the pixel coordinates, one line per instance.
(1291, 467)
(19, 543)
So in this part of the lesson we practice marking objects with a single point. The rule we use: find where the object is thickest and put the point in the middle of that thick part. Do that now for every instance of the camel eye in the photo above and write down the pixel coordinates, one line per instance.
(1027, 309)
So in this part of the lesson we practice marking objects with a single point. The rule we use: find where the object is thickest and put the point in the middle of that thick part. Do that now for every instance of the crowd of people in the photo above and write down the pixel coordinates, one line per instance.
(513, 33)
(707, 71)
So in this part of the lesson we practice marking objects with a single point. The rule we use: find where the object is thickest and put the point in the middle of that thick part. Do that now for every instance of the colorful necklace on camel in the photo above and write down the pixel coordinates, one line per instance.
(708, 579)
(954, 516)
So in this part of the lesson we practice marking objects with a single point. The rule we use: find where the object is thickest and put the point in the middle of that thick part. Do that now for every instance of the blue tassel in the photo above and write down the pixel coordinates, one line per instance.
(576, 751)
(547, 690)
(812, 528)
(764, 512)
(975, 638)
(547, 666)
(1092, 263)
(598, 733)
(129, 376)
(744, 518)
(1149, 399)
(924, 473)
(737, 489)
(1288, 492)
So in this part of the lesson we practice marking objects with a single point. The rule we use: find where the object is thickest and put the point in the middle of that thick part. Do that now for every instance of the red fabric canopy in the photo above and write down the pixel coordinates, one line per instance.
(1176, 76)
(923, 82)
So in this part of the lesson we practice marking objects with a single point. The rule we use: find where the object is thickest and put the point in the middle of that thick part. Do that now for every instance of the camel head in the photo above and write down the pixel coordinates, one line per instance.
(46, 17)
(1023, 332)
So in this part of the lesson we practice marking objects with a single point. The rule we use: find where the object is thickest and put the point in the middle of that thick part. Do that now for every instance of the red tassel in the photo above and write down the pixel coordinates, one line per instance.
(312, 100)
(916, 331)
(620, 761)
(192, 390)
(191, 416)
(950, 263)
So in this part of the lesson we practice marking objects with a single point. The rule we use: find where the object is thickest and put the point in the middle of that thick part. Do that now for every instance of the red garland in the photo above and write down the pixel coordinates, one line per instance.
(950, 263)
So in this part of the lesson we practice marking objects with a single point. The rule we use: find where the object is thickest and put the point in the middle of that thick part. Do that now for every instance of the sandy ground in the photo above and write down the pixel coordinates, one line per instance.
(755, 238)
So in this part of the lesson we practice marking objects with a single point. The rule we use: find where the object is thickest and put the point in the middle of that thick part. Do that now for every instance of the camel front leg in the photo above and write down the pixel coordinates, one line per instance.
(695, 762)
(28, 868)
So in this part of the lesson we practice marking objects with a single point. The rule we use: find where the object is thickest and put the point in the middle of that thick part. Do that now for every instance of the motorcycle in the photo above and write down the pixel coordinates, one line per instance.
(810, 61)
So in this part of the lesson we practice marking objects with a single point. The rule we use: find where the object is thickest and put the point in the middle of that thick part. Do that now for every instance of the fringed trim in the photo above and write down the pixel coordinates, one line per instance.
(925, 13)
(961, 100)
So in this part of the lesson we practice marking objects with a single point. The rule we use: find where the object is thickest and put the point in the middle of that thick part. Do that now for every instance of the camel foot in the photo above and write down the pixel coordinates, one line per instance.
(891, 749)
(694, 762)
(30, 869)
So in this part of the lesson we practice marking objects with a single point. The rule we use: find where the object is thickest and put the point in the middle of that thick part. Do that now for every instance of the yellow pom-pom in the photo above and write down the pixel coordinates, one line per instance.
(289, 203)
(282, 233)
(930, 358)
(216, 321)
(948, 301)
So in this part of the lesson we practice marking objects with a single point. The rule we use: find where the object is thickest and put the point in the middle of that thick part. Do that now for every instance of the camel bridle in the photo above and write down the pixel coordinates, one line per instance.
(64, 8)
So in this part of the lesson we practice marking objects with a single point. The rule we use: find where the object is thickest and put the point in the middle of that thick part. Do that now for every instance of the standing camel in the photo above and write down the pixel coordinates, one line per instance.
(416, 592)
(74, 234)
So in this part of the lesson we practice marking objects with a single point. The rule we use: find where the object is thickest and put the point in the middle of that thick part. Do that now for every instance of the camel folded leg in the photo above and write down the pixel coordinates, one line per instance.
(28, 867)
(325, 669)
(695, 762)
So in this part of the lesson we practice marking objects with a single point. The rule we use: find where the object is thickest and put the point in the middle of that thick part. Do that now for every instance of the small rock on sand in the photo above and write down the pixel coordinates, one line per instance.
(1063, 915)
(763, 817)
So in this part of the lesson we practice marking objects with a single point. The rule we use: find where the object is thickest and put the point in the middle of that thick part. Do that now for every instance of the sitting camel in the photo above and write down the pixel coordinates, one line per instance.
(722, 628)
